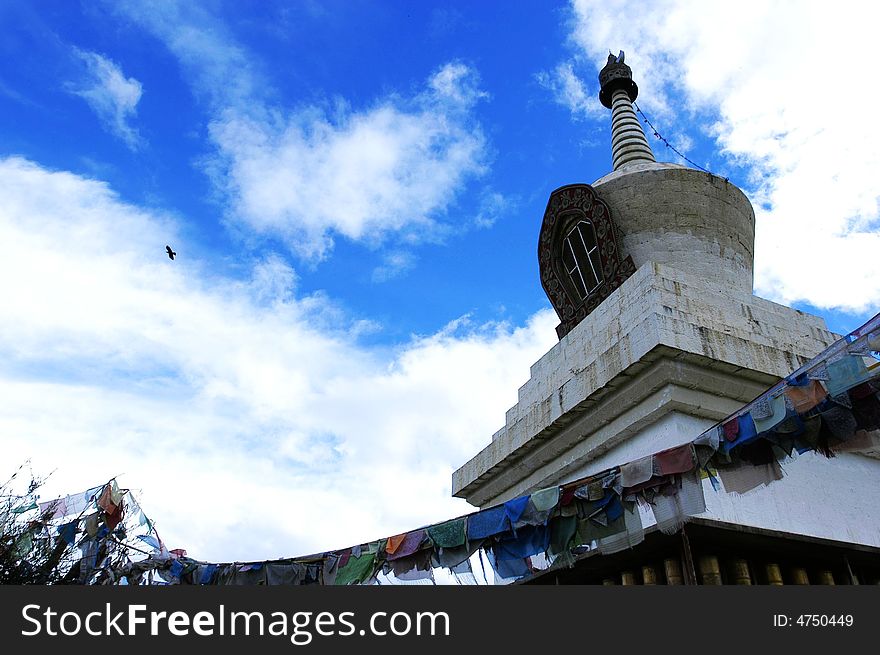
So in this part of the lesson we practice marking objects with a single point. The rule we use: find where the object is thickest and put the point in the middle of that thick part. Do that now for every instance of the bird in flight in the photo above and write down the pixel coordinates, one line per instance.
(170, 252)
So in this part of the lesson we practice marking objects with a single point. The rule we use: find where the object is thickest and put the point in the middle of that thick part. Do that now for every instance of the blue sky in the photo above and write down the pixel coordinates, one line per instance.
(354, 191)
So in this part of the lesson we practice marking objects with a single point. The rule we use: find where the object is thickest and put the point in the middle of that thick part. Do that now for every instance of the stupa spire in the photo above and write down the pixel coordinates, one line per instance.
(618, 92)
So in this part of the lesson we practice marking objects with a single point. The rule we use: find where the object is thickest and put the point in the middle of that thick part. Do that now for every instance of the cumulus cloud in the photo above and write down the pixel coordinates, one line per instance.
(306, 174)
(111, 95)
(392, 168)
(796, 115)
(249, 414)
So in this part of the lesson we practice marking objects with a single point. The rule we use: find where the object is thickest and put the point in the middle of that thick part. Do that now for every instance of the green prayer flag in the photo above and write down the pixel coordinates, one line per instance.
(545, 499)
(448, 535)
(562, 531)
(589, 530)
(357, 569)
(22, 509)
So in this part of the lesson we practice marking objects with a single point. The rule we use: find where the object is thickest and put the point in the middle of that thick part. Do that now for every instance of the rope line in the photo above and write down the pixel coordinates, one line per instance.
(669, 145)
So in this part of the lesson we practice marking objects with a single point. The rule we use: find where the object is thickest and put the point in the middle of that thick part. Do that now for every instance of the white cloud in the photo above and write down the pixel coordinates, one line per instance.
(571, 92)
(220, 70)
(797, 114)
(492, 206)
(394, 264)
(111, 95)
(393, 168)
(249, 415)
(457, 83)
(306, 175)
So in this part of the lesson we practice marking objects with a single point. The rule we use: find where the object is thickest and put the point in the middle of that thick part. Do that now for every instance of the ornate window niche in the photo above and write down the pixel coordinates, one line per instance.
(578, 254)
(580, 259)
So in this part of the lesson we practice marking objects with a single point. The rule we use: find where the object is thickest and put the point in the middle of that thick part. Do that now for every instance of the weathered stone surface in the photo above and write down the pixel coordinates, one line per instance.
(680, 345)
(665, 342)
(685, 218)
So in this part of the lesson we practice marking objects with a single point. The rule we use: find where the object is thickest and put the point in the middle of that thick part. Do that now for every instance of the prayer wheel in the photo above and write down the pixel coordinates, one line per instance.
(710, 572)
(672, 567)
(741, 575)
(609, 582)
(649, 577)
(826, 577)
(774, 575)
(627, 578)
(799, 576)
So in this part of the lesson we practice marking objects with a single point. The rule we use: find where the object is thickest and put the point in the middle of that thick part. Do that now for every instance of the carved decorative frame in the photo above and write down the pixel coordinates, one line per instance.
(568, 206)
